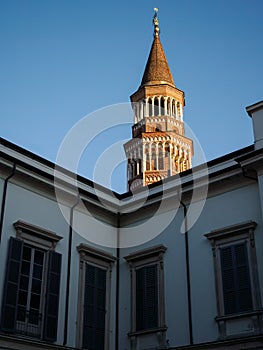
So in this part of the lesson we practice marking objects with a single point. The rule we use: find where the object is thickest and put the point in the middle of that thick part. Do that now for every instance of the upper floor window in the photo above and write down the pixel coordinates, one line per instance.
(31, 290)
(236, 279)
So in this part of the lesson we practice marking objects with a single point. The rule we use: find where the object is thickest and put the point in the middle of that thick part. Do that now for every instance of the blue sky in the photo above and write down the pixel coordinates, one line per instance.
(64, 59)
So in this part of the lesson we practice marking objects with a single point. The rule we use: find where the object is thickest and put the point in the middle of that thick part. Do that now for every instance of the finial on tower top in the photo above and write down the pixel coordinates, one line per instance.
(156, 22)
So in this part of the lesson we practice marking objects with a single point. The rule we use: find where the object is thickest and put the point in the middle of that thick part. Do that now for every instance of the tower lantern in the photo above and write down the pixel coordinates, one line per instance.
(159, 147)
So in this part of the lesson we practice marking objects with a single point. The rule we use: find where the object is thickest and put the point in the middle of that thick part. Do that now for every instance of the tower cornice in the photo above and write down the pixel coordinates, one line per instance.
(158, 90)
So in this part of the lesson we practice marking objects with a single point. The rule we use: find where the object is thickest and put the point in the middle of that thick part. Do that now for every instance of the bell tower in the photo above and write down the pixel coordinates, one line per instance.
(158, 147)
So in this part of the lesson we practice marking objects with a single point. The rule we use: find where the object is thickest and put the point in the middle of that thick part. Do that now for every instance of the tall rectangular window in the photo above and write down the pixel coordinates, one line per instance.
(94, 308)
(147, 295)
(235, 278)
(93, 331)
(146, 298)
(30, 292)
(32, 283)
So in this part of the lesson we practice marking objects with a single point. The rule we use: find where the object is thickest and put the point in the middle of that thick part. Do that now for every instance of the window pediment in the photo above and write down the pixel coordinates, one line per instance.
(36, 235)
(155, 252)
(231, 231)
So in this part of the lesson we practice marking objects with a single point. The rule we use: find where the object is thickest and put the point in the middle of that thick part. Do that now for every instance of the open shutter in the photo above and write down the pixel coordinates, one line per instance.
(52, 296)
(235, 278)
(94, 308)
(11, 286)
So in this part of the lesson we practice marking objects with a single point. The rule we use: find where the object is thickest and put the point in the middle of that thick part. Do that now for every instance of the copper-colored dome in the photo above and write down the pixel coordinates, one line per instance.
(157, 68)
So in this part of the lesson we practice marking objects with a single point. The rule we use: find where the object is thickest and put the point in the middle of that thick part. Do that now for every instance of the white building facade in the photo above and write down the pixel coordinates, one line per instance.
(178, 265)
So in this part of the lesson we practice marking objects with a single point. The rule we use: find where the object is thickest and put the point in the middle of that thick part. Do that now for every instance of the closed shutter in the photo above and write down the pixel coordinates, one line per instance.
(146, 298)
(94, 308)
(52, 296)
(10, 296)
(235, 279)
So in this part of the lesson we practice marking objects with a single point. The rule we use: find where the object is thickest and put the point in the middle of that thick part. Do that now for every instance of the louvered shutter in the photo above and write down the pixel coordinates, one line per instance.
(235, 279)
(140, 299)
(146, 298)
(94, 308)
(13, 268)
(52, 296)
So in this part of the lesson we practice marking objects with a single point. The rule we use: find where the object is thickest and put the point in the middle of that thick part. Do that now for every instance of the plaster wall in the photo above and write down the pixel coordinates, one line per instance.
(174, 282)
(230, 208)
(77, 239)
(22, 204)
(223, 210)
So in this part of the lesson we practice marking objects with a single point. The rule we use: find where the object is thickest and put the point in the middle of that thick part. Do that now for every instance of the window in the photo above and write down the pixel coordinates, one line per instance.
(236, 279)
(94, 292)
(146, 298)
(147, 293)
(160, 157)
(94, 308)
(31, 290)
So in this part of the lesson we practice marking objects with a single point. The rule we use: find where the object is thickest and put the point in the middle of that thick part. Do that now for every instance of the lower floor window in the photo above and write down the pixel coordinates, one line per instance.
(93, 331)
(30, 292)
(146, 298)
(147, 292)
(236, 278)
(94, 308)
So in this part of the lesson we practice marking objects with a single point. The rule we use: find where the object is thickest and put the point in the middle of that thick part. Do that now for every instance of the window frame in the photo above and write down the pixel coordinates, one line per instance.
(95, 257)
(136, 261)
(143, 273)
(242, 233)
(36, 238)
(29, 291)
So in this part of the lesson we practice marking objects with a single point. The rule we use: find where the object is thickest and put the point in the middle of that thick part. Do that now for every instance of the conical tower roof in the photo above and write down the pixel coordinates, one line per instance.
(157, 70)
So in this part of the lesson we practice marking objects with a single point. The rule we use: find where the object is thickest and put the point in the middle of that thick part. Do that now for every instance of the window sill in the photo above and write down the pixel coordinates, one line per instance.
(148, 331)
(238, 315)
(26, 342)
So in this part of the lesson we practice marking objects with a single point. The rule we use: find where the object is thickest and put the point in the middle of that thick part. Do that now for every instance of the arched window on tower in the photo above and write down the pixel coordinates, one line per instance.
(133, 169)
(147, 158)
(173, 108)
(129, 170)
(169, 106)
(156, 106)
(139, 166)
(150, 106)
(162, 106)
(166, 156)
(178, 112)
(160, 156)
(154, 163)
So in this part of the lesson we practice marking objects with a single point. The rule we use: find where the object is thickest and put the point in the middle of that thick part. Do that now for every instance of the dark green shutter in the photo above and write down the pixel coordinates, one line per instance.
(52, 296)
(235, 279)
(146, 298)
(140, 299)
(94, 308)
(10, 295)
